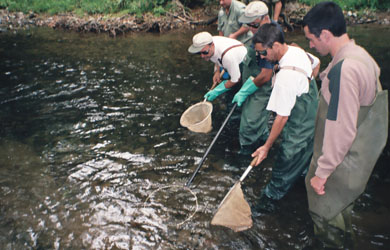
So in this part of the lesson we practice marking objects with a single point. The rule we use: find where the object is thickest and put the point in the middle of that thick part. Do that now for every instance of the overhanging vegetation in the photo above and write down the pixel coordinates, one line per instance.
(139, 7)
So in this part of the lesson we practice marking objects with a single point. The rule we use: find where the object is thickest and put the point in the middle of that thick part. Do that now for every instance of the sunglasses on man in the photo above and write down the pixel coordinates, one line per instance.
(261, 52)
(253, 25)
(206, 52)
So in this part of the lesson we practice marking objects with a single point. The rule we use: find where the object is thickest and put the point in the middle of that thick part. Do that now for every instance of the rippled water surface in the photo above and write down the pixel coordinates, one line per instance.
(92, 155)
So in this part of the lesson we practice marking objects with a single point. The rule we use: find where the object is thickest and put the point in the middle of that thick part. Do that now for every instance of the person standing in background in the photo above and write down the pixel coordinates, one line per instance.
(228, 24)
(275, 7)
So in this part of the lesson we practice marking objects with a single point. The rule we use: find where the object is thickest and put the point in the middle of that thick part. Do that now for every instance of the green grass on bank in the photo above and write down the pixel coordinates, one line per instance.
(355, 4)
(156, 7)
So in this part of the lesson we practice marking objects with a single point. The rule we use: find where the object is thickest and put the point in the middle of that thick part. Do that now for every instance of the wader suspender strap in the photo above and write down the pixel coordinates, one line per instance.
(226, 50)
(299, 69)
(291, 68)
(296, 69)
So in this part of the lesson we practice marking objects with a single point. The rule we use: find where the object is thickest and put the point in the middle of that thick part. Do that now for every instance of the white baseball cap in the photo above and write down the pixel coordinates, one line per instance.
(253, 10)
(199, 41)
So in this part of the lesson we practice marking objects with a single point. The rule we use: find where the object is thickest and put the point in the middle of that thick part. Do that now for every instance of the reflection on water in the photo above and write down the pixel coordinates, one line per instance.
(90, 138)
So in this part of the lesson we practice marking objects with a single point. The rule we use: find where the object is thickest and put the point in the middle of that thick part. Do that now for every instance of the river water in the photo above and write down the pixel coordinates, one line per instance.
(92, 155)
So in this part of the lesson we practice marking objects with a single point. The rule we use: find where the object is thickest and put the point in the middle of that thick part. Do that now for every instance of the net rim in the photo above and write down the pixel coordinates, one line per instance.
(209, 104)
(182, 187)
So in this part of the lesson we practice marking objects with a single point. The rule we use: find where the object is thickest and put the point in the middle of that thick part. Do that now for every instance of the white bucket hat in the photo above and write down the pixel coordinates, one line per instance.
(253, 10)
(199, 41)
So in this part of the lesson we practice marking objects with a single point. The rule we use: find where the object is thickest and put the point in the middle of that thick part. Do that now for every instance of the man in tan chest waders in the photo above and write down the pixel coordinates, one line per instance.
(351, 126)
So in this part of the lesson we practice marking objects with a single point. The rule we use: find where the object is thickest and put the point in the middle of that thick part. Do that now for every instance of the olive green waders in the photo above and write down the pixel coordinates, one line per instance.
(331, 212)
(296, 148)
(254, 117)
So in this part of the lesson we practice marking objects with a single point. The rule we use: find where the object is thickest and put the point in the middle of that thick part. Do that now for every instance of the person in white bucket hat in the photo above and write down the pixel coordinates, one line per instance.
(254, 10)
(199, 41)
(223, 52)
(254, 94)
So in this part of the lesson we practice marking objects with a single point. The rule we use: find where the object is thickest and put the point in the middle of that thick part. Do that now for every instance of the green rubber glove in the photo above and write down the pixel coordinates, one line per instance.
(214, 93)
(247, 89)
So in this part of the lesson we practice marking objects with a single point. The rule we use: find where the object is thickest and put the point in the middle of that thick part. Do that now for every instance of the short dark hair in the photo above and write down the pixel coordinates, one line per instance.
(325, 16)
(267, 34)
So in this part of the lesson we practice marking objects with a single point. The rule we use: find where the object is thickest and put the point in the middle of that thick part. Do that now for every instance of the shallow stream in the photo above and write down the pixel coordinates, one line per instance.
(90, 130)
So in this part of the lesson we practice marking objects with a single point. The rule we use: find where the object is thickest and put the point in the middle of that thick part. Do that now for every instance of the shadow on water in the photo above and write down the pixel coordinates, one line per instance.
(90, 131)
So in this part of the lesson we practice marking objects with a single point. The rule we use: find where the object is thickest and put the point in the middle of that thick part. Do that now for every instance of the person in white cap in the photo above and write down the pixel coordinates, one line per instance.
(223, 52)
(273, 11)
(228, 24)
(255, 92)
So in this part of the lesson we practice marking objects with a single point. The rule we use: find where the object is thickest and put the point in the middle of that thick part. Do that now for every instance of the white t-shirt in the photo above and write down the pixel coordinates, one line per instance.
(232, 58)
(314, 60)
(290, 84)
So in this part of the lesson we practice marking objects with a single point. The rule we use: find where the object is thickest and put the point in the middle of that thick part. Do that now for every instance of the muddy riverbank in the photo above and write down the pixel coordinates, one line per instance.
(115, 25)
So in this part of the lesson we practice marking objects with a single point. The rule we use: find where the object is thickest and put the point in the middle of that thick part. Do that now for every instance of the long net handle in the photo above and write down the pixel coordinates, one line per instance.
(215, 83)
(211, 145)
(248, 169)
